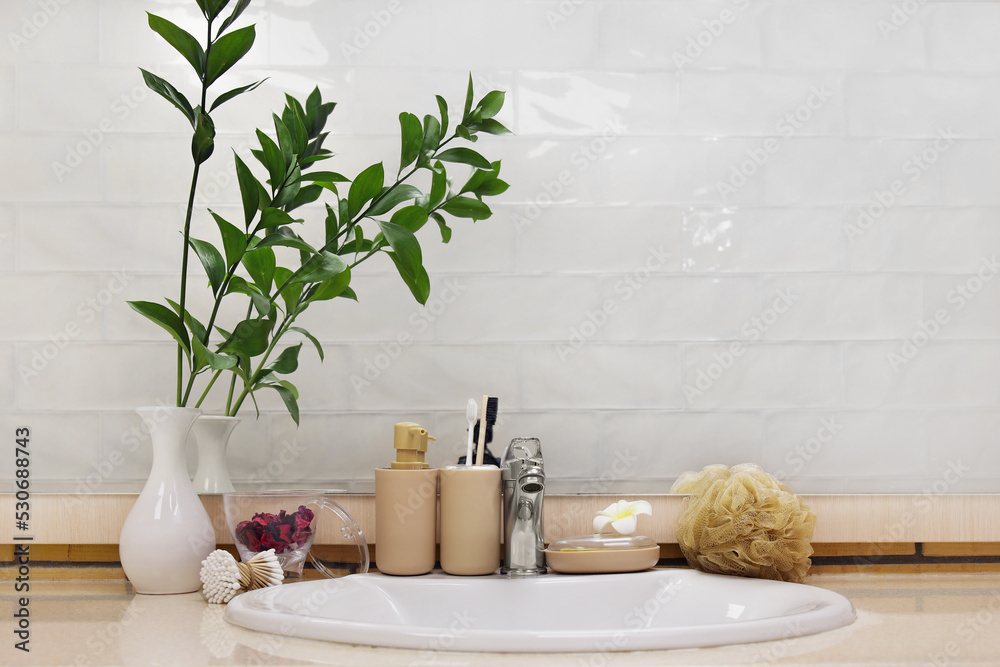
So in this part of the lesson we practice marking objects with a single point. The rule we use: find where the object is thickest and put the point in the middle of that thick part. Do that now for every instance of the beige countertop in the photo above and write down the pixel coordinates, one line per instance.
(921, 619)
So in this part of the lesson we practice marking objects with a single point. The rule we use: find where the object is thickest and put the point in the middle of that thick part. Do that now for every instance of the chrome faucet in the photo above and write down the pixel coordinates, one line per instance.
(523, 474)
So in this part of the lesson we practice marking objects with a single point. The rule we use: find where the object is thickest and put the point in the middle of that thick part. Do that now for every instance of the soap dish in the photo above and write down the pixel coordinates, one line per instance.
(602, 555)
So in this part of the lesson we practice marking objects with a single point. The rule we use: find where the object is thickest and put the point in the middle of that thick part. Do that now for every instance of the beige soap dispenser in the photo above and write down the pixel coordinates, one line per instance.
(406, 506)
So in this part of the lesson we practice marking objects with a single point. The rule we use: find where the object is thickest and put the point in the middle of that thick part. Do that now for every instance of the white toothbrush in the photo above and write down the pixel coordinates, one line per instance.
(471, 414)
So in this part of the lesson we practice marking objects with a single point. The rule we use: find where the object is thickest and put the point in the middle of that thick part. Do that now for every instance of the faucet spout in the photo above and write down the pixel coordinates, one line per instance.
(523, 492)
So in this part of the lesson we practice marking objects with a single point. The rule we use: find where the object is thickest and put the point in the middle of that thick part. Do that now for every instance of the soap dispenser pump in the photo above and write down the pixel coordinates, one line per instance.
(406, 506)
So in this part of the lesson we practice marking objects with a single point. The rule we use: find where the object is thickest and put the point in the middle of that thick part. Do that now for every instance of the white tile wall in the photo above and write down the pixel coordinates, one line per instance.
(688, 178)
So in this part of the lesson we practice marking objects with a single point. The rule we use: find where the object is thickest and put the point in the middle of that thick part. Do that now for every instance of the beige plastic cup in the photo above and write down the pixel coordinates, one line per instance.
(405, 520)
(470, 519)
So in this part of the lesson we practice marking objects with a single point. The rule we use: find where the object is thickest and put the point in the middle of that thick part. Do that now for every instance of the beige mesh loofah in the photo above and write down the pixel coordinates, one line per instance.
(743, 521)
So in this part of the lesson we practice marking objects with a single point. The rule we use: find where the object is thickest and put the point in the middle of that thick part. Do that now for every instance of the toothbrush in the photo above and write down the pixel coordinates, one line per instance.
(491, 405)
(470, 416)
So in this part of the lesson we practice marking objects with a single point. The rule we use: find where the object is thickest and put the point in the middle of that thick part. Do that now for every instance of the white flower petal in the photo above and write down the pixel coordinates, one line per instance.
(601, 521)
(640, 507)
(625, 525)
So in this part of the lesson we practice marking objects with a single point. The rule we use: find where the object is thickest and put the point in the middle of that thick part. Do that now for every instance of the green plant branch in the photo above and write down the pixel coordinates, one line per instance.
(357, 220)
(247, 386)
(211, 382)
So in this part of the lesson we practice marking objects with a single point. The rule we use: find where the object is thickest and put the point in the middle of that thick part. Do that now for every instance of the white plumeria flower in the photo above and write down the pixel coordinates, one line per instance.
(622, 516)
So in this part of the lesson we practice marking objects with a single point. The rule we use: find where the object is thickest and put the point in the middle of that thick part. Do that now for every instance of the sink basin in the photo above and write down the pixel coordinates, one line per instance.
(656, 609)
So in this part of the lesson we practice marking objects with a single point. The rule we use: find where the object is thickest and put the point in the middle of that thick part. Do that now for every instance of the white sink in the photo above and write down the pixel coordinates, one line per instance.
(657, 609)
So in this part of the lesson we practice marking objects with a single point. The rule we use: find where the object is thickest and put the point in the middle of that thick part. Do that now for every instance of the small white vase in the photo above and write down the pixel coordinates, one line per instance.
(212, 433)
(167, 533)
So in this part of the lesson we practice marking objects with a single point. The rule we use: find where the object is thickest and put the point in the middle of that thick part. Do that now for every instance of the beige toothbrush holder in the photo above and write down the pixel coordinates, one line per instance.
(470, 519)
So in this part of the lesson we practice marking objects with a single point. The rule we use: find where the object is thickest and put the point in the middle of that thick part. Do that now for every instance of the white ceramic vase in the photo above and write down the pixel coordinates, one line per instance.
(167, 533)
(212, 433)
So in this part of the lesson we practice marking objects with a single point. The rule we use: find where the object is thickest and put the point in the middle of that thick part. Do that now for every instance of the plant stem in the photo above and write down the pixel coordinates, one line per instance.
(205, 393)
(267, 353)
(182, 302)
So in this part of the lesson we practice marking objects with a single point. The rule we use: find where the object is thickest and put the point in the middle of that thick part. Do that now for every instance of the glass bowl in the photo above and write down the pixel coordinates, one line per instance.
(288, 522)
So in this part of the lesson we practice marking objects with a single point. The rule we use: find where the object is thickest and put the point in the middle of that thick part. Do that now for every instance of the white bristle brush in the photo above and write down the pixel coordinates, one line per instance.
(223, 578)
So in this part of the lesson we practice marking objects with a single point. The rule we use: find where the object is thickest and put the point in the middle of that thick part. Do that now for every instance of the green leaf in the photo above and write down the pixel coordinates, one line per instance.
(492, 126)
(465, 156)
(331, 287)
(468, 102)
(217, 362)
(491, 104)
(237, 10)
(258, 298)
(260, 264)
(393, 197)
(285, 141)
(249, 190)
(290, 294)
(211, 8)
(414, 277)
(406, 255)
(163, 88)
(411, 217)
(432, 135)
(203, 141)
(166, 318)
(230, 94)
(319, 348)
(180, 39)
(463, 132)
(274, 217)
(226, 52)
(443, 108)
(321, 267)
(445, 229)
(286, 237)
(332, 225)
(250, 338)
(290, 187)
(233, 240)
(210, 258)
(439, 185)
(288, 398)
(324, 176)
(196, 327)
(467, 207)
(492, 188)
(412, 137)
(366, 186)
(287, 362)
(271, 159)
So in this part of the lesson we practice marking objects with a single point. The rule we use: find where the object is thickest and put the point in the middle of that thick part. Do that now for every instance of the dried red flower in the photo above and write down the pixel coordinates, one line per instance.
(281, 532)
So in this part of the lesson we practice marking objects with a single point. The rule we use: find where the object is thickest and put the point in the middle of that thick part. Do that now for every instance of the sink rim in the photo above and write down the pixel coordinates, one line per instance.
(827, 610)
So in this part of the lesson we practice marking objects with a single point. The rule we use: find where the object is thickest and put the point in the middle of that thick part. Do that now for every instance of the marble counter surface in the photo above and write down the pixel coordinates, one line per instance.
(913, 619)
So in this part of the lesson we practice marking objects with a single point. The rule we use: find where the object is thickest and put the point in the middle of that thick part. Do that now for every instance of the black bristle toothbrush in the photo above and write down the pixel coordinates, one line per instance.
(487, 419)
